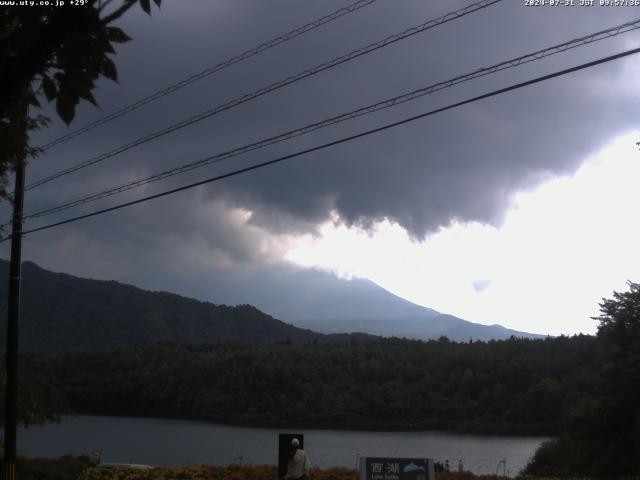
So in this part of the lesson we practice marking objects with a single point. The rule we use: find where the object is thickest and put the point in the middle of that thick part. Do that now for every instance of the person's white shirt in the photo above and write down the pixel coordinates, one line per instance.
(298, 466)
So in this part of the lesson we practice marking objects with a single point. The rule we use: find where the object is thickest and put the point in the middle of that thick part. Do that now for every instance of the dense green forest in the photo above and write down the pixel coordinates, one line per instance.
(514, 386)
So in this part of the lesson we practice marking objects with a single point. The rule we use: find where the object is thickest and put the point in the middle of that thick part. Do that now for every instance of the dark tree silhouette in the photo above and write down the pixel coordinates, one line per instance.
(59, 52)
(602, 436)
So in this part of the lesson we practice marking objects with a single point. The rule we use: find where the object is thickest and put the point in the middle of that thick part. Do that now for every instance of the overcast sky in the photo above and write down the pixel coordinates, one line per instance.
(519, 209)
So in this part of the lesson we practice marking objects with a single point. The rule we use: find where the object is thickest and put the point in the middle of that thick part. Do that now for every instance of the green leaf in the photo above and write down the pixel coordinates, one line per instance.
(66, 109)
(66, 104)
(146, 6)
(116, 35)
(105, 45)
(49, 88)
(75, 78)
(87, 95)
(34, 101)
(108, 69)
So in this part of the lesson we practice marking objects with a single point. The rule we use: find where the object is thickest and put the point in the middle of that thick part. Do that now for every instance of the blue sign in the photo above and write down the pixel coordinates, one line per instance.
(383, 468)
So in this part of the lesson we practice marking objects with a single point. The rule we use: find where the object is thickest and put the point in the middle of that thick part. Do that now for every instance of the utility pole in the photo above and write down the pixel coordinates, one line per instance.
(13, 317)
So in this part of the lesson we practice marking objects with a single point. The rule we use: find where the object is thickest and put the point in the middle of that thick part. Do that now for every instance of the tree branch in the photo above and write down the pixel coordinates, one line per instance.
(118, 12)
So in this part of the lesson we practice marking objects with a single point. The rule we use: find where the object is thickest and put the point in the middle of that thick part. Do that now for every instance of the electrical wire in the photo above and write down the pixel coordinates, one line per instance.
(211, 70)
(535, 56)
(339, 141)
(274, 86)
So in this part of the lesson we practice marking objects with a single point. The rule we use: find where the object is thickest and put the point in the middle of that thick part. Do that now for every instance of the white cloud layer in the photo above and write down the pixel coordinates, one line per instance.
(560, 250)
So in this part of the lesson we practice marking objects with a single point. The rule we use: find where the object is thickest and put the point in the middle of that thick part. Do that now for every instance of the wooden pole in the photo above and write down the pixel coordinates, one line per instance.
(13, 317)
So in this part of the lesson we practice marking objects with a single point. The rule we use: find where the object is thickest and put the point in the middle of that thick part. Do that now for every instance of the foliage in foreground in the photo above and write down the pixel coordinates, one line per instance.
(79, 468)
(231, 472)
(59, 53)
(257, 472)
(63, 468)
(602, 436)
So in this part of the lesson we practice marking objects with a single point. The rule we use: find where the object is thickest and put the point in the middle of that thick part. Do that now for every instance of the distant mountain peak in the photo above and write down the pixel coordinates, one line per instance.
(62, 311)
(323, 302)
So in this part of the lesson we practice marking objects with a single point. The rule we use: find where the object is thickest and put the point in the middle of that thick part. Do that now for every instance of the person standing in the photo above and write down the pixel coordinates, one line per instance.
(299, 464)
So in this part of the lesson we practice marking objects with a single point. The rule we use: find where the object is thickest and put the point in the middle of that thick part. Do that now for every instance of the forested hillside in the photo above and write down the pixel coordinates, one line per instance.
(514, 386)
(60, 311)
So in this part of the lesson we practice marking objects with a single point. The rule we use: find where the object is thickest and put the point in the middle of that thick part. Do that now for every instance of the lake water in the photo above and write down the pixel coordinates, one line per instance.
(177, 442)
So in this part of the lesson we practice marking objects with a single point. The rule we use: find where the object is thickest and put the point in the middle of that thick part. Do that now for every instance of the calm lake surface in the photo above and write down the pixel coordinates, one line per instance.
(177, 442)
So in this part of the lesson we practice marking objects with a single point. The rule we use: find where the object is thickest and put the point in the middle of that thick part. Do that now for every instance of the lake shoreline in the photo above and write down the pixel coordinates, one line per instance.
(440, 429)
(170, 442)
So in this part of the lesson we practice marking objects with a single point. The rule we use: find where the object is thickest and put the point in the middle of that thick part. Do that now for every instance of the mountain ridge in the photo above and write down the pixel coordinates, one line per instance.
(61, 311)
(64, 311)
(322, 302)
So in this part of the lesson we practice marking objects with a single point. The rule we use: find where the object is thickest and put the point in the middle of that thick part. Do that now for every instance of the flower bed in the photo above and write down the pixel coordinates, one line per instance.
(232, 472)
(250, 472)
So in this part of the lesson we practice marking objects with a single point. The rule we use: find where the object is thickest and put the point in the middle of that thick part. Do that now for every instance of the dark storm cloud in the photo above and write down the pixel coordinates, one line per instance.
(165, 246)
(462, 165)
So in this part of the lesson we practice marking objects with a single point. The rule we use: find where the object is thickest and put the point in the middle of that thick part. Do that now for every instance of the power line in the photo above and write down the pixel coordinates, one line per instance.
(339, 141)
(274, 86)
(211, 70)
(538, 55)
